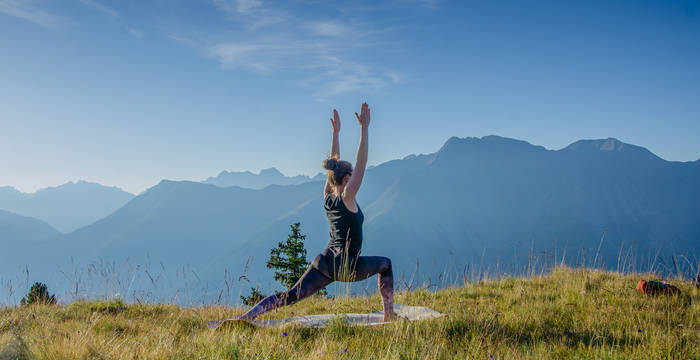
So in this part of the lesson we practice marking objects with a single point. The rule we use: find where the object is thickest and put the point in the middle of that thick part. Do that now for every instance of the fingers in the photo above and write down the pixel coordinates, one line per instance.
(358, 117)
(335, 120)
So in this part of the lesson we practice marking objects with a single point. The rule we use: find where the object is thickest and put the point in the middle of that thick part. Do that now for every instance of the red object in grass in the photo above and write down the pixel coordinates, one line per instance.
(651, 287)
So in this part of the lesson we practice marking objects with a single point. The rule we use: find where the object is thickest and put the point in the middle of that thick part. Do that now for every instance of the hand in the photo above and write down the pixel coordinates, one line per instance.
(335, 121)
(363, 118)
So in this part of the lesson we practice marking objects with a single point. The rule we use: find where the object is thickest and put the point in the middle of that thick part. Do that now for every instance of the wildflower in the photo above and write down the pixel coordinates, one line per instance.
(639, 330)
(490, 356)
(285, 334)
(346, 350)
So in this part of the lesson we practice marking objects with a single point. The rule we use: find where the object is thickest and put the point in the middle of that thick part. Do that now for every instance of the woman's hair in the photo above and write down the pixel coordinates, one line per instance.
(337, 169)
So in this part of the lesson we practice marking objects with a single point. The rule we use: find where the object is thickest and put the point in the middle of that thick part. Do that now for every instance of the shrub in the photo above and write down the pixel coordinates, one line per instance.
(254, 297)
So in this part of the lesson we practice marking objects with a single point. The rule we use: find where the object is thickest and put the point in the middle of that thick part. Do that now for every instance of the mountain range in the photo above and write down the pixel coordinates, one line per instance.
(66, 207)
(489, 202)
(264, 178)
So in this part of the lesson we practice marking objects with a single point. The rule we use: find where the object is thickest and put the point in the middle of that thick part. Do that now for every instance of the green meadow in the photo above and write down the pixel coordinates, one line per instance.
(565, 314)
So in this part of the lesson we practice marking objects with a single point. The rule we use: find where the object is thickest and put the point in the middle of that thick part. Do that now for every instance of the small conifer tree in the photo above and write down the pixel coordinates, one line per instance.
(38, 294)
(289, 258)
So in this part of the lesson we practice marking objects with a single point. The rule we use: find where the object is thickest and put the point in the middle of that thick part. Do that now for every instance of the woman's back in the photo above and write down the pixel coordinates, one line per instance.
(345, 225)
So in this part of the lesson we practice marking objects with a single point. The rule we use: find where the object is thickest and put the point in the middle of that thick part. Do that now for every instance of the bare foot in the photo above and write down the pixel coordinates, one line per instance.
(390, 316)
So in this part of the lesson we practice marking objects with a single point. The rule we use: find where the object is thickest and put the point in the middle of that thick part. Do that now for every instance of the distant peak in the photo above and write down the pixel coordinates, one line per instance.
(270, 171)
(76, 183)
(82, 182)
(609, 144)
(9, 189)
(455, 141)
(489, 141)
(319, 176)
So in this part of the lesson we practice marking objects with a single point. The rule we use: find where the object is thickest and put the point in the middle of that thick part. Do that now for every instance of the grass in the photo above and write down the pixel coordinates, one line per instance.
(569, 313)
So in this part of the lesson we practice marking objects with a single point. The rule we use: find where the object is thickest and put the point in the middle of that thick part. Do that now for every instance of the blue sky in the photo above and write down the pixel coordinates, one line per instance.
(126, 93)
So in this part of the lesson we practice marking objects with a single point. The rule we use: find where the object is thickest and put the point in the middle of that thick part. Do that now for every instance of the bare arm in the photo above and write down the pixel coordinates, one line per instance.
(335, 148)
(361, 162)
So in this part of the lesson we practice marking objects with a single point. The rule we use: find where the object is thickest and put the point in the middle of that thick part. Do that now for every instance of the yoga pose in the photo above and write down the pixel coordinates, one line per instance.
(341, 260)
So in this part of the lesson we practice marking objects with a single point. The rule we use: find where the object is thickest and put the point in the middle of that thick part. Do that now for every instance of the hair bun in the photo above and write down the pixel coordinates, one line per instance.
(330, 164)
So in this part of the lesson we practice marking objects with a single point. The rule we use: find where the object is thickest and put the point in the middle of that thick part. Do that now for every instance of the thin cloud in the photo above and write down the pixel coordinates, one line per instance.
(25, 10)
(327, 28)
(268, 55)
(334, 73)
(249, 56)
(394, 76)
(346, 76)
(431, 4)
(252, 13)
(135, 32)
(99, 7)
(324, 48)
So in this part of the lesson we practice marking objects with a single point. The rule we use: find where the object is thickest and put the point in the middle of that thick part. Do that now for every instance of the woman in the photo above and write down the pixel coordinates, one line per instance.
(341, 260)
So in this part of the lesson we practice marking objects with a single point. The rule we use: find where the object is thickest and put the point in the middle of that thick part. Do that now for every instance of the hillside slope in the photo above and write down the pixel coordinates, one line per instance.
(571, 313)
(16, 228)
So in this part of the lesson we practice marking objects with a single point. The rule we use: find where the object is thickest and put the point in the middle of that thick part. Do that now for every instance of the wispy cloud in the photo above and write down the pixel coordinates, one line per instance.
(431, 4)
(327, 28)
(249, 56)
(347, 76)
(326, 49)
(100, 7)
(395, 77)
(251, 12)
(26, 10)
(335, 74)
(135, 32)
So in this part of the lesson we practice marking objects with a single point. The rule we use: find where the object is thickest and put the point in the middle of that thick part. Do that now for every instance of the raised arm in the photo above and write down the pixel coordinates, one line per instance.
(335, 147)
(361, 162)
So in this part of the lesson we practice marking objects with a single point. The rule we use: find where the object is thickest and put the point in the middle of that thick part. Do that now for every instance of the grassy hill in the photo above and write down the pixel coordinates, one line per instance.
(570, 313)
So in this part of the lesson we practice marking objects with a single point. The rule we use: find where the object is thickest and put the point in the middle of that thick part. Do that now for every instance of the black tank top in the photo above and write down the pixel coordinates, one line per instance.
(340, 220)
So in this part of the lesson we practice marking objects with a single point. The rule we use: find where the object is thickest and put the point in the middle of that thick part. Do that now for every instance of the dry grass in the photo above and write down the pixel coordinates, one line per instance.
(570, 313)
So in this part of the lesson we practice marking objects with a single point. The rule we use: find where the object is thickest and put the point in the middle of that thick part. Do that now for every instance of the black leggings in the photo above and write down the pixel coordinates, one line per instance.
(313, 280)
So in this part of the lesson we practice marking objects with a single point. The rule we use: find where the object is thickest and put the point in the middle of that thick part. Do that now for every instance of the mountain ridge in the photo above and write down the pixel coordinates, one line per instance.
(490, 200)
(248, 179)
(67, 206)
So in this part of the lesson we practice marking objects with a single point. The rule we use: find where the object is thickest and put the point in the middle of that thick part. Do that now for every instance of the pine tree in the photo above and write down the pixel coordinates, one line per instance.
(289, 258)
(38, 294)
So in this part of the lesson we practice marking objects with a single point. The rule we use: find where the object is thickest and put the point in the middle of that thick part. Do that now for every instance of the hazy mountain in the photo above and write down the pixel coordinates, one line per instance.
(506, 197)
(477, 202)
(19, 237)
(177, 219)
(319, 177)
(68, 206)
(249, 180)
(17, 228)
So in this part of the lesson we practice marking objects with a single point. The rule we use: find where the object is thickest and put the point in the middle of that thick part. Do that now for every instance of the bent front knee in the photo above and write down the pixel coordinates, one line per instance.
(386, 265)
